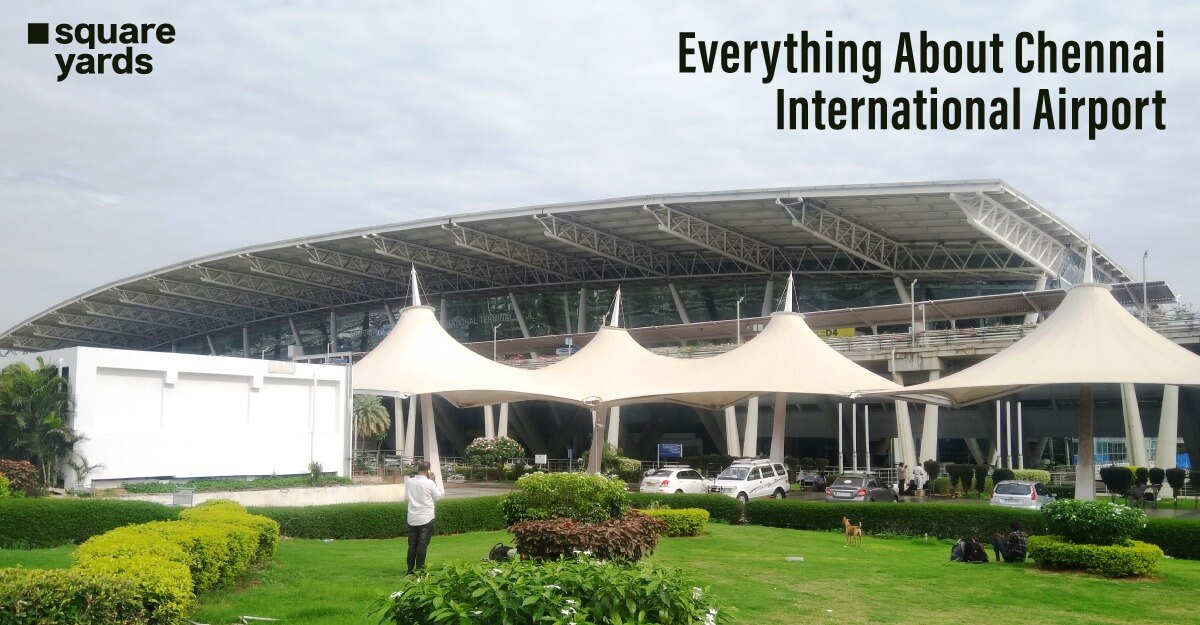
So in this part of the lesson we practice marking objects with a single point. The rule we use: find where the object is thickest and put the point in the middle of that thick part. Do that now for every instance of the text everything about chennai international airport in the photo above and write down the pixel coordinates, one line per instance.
(1030, 53)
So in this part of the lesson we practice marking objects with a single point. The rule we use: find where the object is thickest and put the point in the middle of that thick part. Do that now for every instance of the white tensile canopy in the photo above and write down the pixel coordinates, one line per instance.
(1090, 339)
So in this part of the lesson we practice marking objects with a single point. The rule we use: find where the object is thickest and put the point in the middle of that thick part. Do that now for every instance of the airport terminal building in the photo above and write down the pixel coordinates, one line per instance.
(910, 280)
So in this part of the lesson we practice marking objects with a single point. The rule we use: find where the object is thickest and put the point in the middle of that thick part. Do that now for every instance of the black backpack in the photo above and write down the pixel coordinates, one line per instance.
(500, 552)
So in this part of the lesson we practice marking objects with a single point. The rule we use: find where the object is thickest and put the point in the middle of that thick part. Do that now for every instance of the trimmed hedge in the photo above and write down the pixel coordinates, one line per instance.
(578, 496)
(721, 509)
(165, 587)
(1136, 558)
(266, 530)
(1035, 475)
(685, 522)
(29, 596)
(1178, 538)
(938, 520)
(384, 520)
(39, 523)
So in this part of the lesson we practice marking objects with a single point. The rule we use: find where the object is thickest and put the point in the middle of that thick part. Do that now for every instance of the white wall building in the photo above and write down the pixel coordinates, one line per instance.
(163, 415)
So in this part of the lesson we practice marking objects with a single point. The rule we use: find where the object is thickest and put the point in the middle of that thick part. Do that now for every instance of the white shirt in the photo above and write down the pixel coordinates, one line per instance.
(421, 492)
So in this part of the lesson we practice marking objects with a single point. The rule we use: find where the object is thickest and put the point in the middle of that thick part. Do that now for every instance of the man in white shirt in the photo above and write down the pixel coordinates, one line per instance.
(422, 490)
(918, 472)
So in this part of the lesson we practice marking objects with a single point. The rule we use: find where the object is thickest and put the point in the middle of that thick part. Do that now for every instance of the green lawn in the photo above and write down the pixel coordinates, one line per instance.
(887, 581)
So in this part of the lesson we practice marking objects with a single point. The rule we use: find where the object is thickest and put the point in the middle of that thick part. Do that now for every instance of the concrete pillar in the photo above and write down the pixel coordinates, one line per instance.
(1039, 450)
(750, 440)
(867, 435)
(929, 426)
(907, 449)
(245, 342)
(429, 434)
(502, 427)
(1040, 285)
(567, 313)
(296, 333)
(1008, 434)
(1020, 439)
(996, 442)
(443, 313)
(768, 298)
(599, 423)
(1135, 440)
(1085, 471)
(410, 432)
(614, 426)
(489, 422)
(841, 446)
(976, 451)
(733, 445)
(679, 307)
(581, 322)
(854, 438)
(778, 427)
(332, 345)
(1168, 434)
(399, 429)
(902, 291)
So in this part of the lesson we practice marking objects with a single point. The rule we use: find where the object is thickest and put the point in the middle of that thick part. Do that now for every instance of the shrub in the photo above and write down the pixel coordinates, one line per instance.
(1141, 475)
(954, 475)
(629, 470)
(572, 590)
(1117, 479)
(1093, 522)
(1033, 475)
(384, 520)
(683, 522)
(721, 509)
(68, 597)
(1175, 478)
(939, 486)
(492, 452)
(981, 476)
(266, 530)
(1062, 491)
(933, 468)
(1194, 481)
(213, 552)
(966, 474)
(1136, 558)
(999, 475)
(215, 484)
(314, 472)
(165, 587)
(937, 519)
(1178, 538)
(5, 493)
(577, 496)
(1157, 476)
(37, 523)
(22, 476)
(626, 539)
(609, 457)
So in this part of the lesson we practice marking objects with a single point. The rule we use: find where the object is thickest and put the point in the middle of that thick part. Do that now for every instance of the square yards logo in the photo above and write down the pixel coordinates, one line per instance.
(130, 60)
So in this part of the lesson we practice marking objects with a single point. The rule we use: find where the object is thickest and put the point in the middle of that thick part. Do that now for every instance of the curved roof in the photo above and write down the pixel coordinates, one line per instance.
(959, 229)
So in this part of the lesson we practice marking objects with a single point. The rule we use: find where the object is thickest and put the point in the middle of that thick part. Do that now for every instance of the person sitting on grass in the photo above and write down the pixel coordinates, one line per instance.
(1010, 547)
(968, 550)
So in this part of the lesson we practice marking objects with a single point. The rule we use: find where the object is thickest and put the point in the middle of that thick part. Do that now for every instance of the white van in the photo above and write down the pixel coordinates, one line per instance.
(750, 479)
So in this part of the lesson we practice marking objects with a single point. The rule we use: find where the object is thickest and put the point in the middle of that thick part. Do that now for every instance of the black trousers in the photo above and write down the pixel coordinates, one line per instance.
(1002, 551)
(418, 544)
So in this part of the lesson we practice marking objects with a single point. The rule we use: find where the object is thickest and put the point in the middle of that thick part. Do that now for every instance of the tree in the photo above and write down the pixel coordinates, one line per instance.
(1175, 478)
(371, 418)
(35, 413)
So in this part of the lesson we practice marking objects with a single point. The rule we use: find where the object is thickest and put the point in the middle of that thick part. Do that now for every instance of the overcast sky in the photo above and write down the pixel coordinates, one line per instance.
(271, 120)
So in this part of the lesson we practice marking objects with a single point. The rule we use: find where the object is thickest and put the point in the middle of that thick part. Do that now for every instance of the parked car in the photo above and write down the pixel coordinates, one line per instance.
(859, 488)
(749, 479)
(1020, 494)
(674, 479)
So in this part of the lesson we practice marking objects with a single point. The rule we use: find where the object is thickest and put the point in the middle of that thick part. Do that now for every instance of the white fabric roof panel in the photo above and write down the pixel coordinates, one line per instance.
(1090, 339)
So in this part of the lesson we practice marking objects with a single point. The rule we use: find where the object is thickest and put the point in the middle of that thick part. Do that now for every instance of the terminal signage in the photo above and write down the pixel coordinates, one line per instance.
(670, 450)
(835, 333)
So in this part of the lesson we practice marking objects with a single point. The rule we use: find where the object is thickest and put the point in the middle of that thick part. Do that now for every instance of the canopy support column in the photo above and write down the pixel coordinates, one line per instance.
(1020, 439)
(599, 423)
(679, 307)
(929, 426)
(841, 446)
(502, 427)
(976, 451)
(1168, 434)
(1040, 285)
(399, 429)
(778, 427)
(429, 433)
(1085, 471)
(489, 423)
(768, 299)
(1008, 434)
(1039, 450)
(904, 432)
(750, 440)
(581, 322)
(854, 438)
(410, 433)
(614, 426)
(1134, 438)
(867, 435)
(733, 444)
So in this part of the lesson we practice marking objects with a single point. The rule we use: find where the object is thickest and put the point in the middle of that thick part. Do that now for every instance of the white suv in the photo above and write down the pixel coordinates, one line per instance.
(748, 479)
(674, 479)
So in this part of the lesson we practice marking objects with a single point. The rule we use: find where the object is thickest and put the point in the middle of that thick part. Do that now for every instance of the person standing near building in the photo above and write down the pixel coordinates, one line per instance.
(422, 491)
(901, 478)
(919, 476)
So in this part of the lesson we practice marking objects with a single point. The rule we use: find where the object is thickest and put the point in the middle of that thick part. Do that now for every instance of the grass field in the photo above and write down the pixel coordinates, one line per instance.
(887, 581)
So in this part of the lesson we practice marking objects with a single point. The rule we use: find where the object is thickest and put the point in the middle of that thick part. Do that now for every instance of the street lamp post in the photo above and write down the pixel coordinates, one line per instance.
(912, 302)
(495, 332)
(739, 320)
(1145, 304)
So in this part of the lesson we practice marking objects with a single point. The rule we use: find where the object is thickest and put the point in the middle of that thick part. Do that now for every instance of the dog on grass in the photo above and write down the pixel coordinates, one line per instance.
(853, 533)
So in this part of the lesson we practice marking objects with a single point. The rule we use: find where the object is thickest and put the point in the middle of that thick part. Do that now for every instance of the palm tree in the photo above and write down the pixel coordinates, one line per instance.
(371, 418)
(35, 414)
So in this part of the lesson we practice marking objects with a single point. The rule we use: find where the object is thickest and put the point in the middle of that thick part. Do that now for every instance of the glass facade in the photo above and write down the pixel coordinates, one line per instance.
(360, 329)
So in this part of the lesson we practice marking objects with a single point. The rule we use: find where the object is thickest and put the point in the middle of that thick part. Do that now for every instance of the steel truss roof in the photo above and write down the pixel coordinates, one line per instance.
(950, 230)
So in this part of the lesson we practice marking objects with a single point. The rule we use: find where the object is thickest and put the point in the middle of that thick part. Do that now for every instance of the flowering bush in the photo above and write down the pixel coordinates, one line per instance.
(578, 496)
(1093, 522)
(492, 452)
(576, 591)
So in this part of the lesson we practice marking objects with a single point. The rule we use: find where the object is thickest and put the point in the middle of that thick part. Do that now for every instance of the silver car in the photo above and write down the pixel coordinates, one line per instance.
(859, 488)
(1021, 494)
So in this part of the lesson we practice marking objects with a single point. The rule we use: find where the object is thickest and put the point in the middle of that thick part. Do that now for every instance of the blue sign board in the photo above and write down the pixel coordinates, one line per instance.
(670, 450)
(1183, 461)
